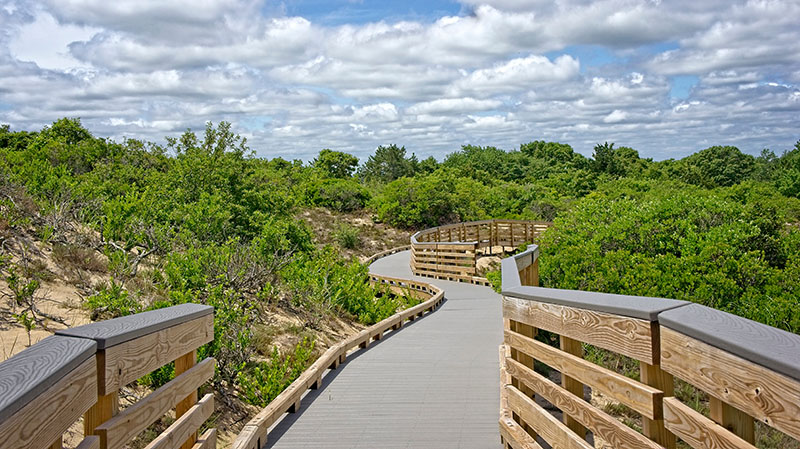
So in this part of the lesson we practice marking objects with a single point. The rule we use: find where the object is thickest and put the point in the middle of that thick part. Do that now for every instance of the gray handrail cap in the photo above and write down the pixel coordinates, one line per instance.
(119, 330)
(31, 372)
(641, 307)
(759, 343)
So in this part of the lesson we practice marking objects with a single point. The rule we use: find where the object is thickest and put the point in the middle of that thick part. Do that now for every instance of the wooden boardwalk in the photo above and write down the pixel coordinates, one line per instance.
(433, 384)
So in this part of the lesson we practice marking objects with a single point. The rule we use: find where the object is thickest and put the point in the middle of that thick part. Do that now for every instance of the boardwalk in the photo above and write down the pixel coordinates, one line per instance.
(434, 384)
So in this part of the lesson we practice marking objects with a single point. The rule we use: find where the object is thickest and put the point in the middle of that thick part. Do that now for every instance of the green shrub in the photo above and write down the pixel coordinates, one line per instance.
(262, 383)
(112, 301)
(716, 248)
(341, 195)
(347, 236)
(322, 283)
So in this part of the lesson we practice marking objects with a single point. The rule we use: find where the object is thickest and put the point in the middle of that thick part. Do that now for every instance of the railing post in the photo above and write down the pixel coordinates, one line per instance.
(182, 364)
(525, 359)
(654, 429)
(574, 347)
(732, 419)
(104, 409)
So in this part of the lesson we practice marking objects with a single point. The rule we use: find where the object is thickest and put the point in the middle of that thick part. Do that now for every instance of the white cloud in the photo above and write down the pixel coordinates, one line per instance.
(501, 73)
(615, 116)
(518, 74)
(448, 106)
(45, 42)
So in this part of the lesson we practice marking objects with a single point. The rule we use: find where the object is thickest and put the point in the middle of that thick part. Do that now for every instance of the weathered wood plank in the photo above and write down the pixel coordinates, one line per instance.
(574, 347)
(515, 436)
(697, 430)
(654, 376)
(546, 425)
(763, 345)
(104, 409)
(29, 373)
(121, 429)
(770, 397)
(183, 364)
(47, 416)
(180, 430)
(736, 421)
(642, 398)
(601, 424)
(627, 336)
(119, 330)
(90, 442)
(126, 362)
(208, 440)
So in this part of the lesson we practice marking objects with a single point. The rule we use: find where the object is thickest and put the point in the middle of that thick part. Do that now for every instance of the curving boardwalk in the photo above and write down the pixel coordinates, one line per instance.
(434, 384)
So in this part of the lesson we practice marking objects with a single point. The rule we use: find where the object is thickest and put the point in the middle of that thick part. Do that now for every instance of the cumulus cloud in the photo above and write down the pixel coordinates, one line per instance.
(501, 72)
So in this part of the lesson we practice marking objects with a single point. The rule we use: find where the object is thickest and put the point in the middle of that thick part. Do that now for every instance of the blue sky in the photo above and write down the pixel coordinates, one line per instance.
(665, 77)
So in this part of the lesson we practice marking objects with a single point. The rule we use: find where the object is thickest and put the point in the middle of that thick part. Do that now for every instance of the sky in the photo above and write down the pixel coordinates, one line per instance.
(666, 77)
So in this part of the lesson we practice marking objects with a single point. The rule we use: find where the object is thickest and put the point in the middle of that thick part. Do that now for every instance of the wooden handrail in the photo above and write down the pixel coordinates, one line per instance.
(451, 251)
(79, 371)
(748, 369)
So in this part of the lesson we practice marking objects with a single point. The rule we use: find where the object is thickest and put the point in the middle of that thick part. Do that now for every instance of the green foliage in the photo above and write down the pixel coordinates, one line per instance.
(342, 195)
(347, 236)
(430, 200)
(711, 247)
(717, 167)
(335, 164)
(622, 161)
(323, 284)
(388, 163)
(266, 380)
(112, 301)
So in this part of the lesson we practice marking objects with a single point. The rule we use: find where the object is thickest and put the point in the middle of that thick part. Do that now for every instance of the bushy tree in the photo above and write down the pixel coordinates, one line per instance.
(335, 164)
(388, 163)
(717, 166)
(622, 161)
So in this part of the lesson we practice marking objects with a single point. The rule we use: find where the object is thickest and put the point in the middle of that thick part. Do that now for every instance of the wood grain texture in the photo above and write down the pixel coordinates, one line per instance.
(109, 333)
(654, 429)
(104, 409)
(29, 373)
(121, 429)
(570, 384)
(90, 442)
(764, 345)
(126, 362)
(697, 430)
(514, 436)
(601, 424)
(736, 421)
(46, 417)
(179, 431)
(208, 440)
(642, 398)
(627, 336)
(546, 425)
(763, 394)
(183, 364)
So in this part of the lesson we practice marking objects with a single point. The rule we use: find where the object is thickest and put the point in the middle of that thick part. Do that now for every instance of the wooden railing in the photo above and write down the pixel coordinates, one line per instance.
(78, 372)
(451, 252)
(255, 433)
(749, 370)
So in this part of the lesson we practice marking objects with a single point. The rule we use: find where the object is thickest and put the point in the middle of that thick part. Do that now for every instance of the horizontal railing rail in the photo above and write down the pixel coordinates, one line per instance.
(749, 370)
(255, 433)
(79, 371)
(451, 251)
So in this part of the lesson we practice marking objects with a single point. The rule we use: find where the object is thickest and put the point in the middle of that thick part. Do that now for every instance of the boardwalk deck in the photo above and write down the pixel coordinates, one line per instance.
(434, 384)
